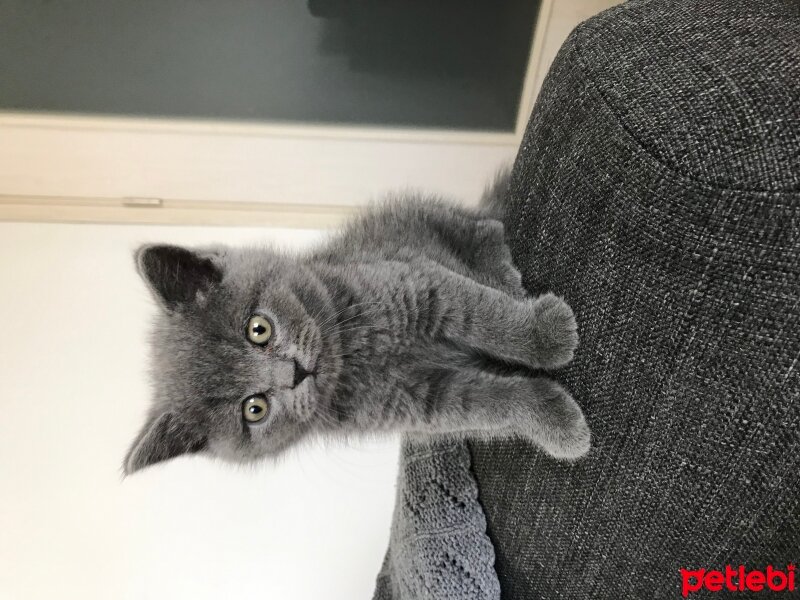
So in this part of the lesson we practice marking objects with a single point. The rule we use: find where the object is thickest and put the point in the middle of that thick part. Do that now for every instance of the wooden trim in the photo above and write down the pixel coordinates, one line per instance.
(170, 212)
(533, 75)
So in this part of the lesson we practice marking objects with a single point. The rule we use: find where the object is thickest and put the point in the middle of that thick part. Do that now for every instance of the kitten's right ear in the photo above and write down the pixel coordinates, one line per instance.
(176, 275)
(163, 437)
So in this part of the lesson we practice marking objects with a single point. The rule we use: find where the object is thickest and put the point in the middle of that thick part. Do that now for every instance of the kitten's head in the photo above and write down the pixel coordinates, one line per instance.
(241, 362)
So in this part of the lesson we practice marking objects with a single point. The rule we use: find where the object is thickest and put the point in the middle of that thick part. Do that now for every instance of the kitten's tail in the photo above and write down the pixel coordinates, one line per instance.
(495, 196)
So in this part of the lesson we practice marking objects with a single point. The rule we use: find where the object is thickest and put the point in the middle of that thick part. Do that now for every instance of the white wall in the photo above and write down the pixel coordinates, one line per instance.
(73, 391)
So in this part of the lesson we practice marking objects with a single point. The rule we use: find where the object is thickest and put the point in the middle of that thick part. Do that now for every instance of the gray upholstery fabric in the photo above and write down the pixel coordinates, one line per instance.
(658, 190)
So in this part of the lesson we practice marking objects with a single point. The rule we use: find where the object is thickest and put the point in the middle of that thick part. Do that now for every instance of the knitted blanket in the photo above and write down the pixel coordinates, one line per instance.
(439, 547)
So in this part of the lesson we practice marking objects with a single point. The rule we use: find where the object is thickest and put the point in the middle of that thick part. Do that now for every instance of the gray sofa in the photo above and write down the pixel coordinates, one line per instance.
(658, 190)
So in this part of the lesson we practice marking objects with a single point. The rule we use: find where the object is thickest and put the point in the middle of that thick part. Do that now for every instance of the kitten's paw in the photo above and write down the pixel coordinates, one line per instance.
(493, 258)
(555, 332)
(491, 232)
(558, 426)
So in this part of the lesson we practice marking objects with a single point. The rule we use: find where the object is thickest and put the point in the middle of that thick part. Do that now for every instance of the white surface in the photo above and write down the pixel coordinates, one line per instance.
(112, 158)
(73, 391)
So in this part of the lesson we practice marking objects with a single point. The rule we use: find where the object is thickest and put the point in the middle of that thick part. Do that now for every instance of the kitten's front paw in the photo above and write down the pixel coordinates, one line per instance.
(554, 333)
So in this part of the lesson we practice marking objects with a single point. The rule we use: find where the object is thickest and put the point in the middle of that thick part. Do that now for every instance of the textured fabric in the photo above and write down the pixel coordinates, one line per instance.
(439, 548)
(658, 190)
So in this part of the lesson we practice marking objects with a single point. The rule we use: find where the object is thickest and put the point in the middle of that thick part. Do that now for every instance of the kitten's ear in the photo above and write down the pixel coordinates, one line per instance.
(163, 437)
(176, 275)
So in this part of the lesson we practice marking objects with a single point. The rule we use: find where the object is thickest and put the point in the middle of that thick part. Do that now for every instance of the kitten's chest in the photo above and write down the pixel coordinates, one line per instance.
(392, 305)
(390, 329)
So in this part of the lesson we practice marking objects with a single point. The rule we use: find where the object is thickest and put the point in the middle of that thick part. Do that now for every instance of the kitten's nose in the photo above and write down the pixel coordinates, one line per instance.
(299, 374)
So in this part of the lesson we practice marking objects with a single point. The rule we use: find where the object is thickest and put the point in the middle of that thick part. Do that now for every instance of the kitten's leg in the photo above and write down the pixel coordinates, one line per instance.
(476, 403)
(539, 332)
(480, 244)
(492, 259)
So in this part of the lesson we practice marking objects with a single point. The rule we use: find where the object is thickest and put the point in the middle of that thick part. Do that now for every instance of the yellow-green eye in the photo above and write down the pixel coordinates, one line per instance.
(255, 408)
(259, 330)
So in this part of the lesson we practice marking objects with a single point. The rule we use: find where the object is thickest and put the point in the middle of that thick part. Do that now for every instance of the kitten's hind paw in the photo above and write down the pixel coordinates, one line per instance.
(554, 333)
(558, 424)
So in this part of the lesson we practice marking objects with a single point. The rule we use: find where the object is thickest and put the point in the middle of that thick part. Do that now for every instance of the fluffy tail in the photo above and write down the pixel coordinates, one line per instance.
(495, 196)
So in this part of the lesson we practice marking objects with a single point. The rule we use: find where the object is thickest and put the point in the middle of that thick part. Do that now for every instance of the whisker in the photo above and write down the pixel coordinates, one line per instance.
(317, 314)
(366, 328)
(339, 323)
(327, 413)
(349, 306)
(345, 309)
(342, 355)
(357, 327)
(333, 316)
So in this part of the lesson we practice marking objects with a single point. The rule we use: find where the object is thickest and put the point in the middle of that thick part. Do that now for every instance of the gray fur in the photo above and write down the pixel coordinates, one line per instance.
(411, 319)
(494, 198)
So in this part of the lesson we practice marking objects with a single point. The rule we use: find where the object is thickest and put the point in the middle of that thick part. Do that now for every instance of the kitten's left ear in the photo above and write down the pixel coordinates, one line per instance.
(177, 275)
(163, 437)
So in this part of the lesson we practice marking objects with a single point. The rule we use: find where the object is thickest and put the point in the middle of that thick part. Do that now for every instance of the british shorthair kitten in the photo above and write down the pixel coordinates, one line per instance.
(411, 319)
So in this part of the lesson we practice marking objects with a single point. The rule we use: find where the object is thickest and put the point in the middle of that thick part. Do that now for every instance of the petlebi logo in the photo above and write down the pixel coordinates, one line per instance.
(738, 579)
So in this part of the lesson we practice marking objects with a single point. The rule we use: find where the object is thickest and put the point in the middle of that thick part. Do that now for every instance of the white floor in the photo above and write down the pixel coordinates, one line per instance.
(73, 391)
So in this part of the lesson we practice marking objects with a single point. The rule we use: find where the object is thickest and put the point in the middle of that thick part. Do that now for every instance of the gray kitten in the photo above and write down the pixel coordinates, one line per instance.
(411, 319)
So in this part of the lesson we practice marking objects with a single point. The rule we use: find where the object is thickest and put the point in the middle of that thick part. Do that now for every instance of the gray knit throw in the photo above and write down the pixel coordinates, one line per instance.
(439, 548)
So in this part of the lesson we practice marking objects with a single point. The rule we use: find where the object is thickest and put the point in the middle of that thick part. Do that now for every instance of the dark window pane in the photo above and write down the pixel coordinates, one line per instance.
(384, 62)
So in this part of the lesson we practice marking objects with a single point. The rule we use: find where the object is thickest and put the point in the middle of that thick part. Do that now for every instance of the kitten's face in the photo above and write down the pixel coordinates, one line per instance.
(242, 362)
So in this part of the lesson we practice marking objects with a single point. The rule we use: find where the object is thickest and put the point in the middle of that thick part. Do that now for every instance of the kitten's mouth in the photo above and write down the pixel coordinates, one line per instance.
(300, 374)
